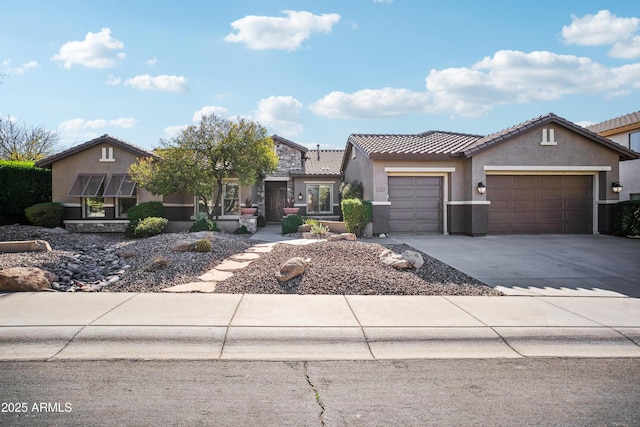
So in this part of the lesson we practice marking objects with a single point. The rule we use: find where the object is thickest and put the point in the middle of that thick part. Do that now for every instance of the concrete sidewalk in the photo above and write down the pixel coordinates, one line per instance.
(55, 326)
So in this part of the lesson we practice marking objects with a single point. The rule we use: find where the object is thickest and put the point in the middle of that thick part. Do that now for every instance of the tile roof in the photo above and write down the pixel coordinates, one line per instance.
(426, 144)
(495, 138)
(616, 123)
(322, 162)
(99, 140)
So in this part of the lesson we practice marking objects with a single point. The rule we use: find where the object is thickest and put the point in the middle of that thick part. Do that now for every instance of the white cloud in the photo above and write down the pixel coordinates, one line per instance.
(604, 28)
(113, 80)
(97, 50)
(173, 131)
(509, 77)
(21, 69)
(76, 125)
(270, 32)
(152, 61)
(160, 83)
(282, 113)
(210, 109)
(371, 103)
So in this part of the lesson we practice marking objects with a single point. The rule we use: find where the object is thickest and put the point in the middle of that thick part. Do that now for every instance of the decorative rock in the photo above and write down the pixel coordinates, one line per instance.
(26, 279)
(342, 236)
(383, 236)
(392, 259)
(25, 246)
(184, 246)
(292, 268)
(414, 258)
(304, 228)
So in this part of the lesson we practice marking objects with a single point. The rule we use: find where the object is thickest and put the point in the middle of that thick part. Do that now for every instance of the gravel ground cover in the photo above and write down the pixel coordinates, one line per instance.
(112, 263)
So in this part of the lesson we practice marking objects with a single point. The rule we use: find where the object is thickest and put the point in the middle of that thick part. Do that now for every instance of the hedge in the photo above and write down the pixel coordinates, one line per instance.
(290, 223)
(626, 218)
(22, 185)
(357, 213)
(145, 210)
(45, 214)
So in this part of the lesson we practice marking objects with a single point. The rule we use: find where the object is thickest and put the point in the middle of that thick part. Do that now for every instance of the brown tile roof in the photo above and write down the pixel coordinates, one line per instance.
(426, 144)
(96, 141)
(503, 135)
(322, 162)
(616, 123)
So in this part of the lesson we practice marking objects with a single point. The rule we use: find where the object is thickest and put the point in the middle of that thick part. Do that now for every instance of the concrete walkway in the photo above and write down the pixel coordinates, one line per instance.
(61, 326)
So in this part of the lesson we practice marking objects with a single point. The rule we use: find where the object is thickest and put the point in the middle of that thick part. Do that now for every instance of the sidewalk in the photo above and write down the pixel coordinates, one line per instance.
(52, 326)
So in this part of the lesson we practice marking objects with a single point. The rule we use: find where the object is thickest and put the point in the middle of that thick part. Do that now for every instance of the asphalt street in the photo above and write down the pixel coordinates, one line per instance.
(469, 392)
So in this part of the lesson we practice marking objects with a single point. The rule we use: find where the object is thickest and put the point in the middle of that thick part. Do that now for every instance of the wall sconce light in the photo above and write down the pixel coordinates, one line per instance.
(616, 187)
(300, 196)
(481, 187)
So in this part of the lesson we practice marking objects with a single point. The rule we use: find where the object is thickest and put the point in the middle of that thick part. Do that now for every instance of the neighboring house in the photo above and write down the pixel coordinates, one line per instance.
(92, 181)
(625, 130)
(546, 175)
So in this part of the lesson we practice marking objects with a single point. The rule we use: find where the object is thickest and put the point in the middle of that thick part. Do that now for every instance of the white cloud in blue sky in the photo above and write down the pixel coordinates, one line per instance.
(163, 83)
(97, 50)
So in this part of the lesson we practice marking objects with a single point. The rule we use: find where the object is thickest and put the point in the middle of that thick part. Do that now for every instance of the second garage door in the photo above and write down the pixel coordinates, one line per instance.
(416, 204)
(540, 204)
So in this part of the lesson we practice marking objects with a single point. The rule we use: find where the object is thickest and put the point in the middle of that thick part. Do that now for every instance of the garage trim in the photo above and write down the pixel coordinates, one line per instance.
(559, 170)
(425, 171)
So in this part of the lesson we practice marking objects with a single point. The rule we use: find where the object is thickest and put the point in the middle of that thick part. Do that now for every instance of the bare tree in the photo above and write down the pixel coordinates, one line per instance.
(25, 143)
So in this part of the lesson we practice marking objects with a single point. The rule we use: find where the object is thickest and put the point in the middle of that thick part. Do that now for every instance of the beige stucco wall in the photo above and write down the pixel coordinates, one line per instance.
(359, 168)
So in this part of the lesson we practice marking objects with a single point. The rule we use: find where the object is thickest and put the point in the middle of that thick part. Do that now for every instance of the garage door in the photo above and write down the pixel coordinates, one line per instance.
(540, 204)
(416, 204)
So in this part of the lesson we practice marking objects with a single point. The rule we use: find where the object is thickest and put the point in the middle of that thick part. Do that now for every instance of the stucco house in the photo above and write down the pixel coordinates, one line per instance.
(625, 130)
(546, 175)
(92, 181)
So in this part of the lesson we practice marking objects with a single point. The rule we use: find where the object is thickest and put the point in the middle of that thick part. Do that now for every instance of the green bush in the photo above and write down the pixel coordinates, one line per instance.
(351, 190)
(21, 185)
(203, 223)
(290, 223)
(45, 214)
(311, 221)
(130, 229)
(357, 213)
(242, 230)
(626, 218)
(150, 226)
(145, 210)
(202, 245)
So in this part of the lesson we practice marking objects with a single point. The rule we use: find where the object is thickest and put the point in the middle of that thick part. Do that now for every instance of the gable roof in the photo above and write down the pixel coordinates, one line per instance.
(428, 144)
(96, 141)
(281, 140)
(617, 125)
(506, 134)
(322, 163)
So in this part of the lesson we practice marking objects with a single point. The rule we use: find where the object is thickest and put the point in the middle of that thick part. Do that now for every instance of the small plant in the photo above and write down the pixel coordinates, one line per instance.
(248, 202)
(203, 223)
(290, 224)
(291, 202)
(242, 230)
(151, 226)
(202, 245)
(311, 221)
(45, 214)
(319, 230)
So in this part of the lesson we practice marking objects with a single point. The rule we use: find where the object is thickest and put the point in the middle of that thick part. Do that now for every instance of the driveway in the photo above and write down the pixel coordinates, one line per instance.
(552, 265)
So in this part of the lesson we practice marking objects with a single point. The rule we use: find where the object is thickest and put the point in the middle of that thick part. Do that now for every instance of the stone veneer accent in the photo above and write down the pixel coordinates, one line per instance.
(95, 227)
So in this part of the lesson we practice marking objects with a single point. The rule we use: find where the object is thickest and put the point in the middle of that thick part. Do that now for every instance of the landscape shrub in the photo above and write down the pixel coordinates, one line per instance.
(319, 230)
(145, 210)
(47, 214)
(357, 213)
(351, 190)
(202, 245)
(626, 218)
(150, 226)
(203, 223)
(290, 223)
(21, 185)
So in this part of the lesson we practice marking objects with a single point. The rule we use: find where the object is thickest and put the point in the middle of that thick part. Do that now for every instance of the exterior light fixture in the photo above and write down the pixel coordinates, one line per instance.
(481, 187)
(616, 187)
(300, 196)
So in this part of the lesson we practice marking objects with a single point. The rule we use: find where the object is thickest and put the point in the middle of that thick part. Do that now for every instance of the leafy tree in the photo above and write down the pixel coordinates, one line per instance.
(25, 144)
(205, 154)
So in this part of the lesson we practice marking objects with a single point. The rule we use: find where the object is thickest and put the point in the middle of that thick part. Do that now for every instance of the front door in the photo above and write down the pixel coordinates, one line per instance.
(276, 196)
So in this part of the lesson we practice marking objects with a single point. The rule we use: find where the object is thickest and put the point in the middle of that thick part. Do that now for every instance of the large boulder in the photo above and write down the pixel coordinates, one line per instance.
(293, 267)
(25, 246)
(406, 260)
(342, 236)
(26, 279)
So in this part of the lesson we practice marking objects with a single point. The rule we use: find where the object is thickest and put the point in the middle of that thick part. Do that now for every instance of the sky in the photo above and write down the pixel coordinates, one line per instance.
(314, 71)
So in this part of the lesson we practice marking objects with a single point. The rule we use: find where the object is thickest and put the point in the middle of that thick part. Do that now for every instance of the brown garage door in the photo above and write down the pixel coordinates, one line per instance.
(540, 204)
(416, 204)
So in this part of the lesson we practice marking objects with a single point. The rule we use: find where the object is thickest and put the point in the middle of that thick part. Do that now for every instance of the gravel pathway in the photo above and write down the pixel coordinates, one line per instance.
(112, 263)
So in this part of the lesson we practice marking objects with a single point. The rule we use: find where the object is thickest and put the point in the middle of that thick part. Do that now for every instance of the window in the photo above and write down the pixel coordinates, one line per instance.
(634, 196)
(231, 198)
(319, 198)
(87, 185)
(123, 204)
(634, 141)
(107, 155)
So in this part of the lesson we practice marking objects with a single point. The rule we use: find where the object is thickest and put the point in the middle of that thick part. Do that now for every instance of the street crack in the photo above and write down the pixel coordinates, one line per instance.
(315, 392)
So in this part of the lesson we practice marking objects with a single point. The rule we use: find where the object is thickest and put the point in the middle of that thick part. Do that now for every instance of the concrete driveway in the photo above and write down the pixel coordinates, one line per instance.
(552, 265)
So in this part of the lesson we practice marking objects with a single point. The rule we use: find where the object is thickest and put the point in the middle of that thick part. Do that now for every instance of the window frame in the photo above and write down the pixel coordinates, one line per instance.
(634, 140)
(309, 205)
